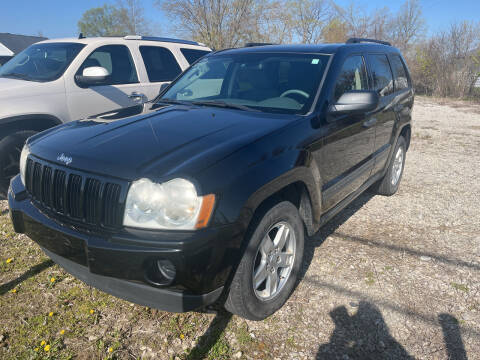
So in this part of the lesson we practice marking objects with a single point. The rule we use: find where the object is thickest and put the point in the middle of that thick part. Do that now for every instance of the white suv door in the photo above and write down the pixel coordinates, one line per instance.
(121, 89)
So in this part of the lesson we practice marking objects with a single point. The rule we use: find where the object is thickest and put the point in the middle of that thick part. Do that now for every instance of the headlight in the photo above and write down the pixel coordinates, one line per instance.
(171, 205)
(23, 162)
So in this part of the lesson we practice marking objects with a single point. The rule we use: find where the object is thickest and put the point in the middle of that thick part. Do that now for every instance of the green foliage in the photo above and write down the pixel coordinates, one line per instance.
(102, 21)
(126, 18)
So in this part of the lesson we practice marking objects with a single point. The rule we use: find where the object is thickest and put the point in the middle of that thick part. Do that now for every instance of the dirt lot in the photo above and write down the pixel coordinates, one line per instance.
(388, 278)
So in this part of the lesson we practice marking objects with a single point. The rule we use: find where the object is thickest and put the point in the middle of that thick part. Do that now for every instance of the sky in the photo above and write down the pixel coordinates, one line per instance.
(58, 18)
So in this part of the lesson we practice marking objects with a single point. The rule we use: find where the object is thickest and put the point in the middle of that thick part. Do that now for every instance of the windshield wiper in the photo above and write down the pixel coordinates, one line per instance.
(223, 104)
(17, 76)
(171, 101)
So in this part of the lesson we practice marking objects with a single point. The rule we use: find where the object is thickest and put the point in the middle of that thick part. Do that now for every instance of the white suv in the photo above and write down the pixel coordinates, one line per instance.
(56, 81)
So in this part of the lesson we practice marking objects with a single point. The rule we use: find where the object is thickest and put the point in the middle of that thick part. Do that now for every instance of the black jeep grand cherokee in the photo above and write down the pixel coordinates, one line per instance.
(209, 190)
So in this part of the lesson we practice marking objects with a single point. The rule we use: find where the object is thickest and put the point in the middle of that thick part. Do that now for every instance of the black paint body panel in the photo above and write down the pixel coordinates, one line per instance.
(242, 157)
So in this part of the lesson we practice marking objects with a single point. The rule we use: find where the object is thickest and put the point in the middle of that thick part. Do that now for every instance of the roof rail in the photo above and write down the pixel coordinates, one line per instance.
(154, 38)
(365, 40)
(252, 44)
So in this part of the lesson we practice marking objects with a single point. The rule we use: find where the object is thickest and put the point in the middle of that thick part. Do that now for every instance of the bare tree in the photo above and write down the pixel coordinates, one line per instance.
(356, 20)
(273, 22)
(309, 17)
(218, 23)
(408, 25)
(335, 31)
(132, 17)
(379, 24)
(359, 23)
(448, 63)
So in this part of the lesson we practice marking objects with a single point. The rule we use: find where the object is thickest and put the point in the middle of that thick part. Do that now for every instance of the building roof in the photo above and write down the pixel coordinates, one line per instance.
(16, 43)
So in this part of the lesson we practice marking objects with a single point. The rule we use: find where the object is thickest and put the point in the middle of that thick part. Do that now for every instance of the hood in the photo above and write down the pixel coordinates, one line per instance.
(180, 140)
(12, 88)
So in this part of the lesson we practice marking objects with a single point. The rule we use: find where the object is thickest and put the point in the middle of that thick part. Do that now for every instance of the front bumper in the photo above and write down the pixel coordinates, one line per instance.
(120, 263)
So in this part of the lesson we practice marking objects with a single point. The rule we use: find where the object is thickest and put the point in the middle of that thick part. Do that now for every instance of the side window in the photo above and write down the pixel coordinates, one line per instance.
(401, 79)
(118, 62)
(352, 76)
(160, 63)
(381, 74)
(193, 55)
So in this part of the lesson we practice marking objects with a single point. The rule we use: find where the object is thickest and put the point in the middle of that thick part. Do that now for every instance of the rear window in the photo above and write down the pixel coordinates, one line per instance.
(401, 79)
(160, 63)
(381, 74)
(193, 55)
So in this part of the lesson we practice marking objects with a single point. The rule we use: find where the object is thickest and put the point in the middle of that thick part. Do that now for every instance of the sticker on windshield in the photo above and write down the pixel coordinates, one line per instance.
(315, 61)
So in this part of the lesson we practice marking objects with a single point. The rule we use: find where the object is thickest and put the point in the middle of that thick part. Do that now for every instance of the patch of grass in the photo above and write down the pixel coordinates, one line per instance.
(370, 278)
(461, 287)
(290, 342)
(242, 335)
(220, 350)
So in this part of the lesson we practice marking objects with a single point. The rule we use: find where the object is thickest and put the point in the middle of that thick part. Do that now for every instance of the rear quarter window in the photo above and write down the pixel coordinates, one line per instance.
(193, 55)
(160, 63)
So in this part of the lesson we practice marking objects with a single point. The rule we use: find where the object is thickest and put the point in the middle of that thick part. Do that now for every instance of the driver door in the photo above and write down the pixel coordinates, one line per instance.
(122, 88)
(345, 161)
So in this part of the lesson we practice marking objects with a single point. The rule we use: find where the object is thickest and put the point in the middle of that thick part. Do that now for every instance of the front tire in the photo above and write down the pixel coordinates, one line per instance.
(389, 184)
(10, 149)
(268, 271)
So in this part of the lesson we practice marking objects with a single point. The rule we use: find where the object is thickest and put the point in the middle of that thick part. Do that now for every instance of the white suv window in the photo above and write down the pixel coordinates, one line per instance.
(193, 55)
(160, 63)
(118, 62)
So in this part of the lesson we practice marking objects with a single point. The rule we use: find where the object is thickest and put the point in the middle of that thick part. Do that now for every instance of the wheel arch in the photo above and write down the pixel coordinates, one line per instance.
(406, 132)
(301, 186)
(35, 122)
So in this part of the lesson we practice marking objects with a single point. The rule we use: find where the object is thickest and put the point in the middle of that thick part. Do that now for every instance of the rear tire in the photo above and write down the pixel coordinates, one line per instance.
(10, 149)
(268, 271)
(389, 184)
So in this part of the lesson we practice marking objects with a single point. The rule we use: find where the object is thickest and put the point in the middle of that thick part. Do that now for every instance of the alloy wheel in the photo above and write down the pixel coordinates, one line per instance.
(397, 166)
(274, 261)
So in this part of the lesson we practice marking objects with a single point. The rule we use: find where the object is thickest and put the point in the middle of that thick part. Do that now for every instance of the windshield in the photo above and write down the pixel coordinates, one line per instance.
(41, 62)
(269, 82)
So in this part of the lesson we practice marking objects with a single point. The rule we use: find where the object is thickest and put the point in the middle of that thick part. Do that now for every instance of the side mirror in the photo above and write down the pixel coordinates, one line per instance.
(355, 102)
(163, 87)
(95, 75)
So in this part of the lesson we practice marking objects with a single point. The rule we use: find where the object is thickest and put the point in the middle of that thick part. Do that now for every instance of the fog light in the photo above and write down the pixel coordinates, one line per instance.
(160, 272)
(167, 269)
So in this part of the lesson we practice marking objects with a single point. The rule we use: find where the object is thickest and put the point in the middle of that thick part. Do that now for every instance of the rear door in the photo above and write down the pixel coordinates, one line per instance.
(382, 81)
(121, 90)
(346, 156)
(161, 67)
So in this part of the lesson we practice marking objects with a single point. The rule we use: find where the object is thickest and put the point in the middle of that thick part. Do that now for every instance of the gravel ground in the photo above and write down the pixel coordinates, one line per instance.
(388, 278)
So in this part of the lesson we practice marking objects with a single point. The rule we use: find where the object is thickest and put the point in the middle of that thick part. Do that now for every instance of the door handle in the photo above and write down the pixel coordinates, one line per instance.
(370, 122)
(136, 96)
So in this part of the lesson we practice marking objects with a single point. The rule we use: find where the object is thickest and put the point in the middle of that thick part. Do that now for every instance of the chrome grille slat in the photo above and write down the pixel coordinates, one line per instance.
(46, 186)
(58, 191)
(71, 195)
